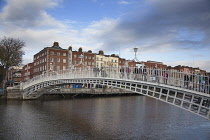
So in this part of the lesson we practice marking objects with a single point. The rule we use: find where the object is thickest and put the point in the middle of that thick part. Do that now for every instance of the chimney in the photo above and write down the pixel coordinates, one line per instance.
(70, 48)
(55, 44)
(101, 52)
(80, 49)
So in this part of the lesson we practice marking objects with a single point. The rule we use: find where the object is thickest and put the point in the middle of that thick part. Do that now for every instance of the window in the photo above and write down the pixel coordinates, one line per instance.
(64, 60)
(51, 59)
(64, 67)
(58, 53)
(58, 68)
(75, 56)
(93, 57)
(93, 63)
(75, 62)
(101, 59)
(58, 59)
(64, 54)
(51, 52)
(89, 57)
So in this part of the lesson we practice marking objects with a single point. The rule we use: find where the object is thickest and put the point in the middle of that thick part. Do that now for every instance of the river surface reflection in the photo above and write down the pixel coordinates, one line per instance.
(117, 118)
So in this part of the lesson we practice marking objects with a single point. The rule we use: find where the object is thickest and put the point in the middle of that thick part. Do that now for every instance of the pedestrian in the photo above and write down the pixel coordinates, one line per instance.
(200, 82)
(135, 72)
(122, 72)
(206, 78)
(165, 77)
(186, 81)
(140, 73)
(128, 70)
(145, 73)
(95, 71)
(157, 75)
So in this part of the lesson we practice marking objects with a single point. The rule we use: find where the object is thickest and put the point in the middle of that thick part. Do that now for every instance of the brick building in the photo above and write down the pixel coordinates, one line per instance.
(122, 62)
(130, 63)
(14, 76)
(27, 72)
(187, 69)
(50, 59)
(154, 64)
(81, 59)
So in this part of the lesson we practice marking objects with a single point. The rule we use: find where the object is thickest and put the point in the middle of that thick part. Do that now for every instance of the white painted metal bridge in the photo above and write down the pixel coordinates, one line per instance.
(185, 90)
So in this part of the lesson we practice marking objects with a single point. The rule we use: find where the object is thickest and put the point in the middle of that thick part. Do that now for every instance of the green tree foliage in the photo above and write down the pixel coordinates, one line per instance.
(11, 52)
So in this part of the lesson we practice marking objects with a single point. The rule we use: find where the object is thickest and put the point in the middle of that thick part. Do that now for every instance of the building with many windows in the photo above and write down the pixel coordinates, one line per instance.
(107, 60)
(81, 59)
(50, 59)
(27, 72)
(14, 75)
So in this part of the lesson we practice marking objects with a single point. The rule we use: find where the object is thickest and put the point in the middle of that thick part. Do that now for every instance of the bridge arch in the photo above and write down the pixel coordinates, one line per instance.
(188, 100)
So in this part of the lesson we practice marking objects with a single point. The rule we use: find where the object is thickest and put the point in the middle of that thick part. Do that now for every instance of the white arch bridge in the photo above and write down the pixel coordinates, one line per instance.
(173, 88)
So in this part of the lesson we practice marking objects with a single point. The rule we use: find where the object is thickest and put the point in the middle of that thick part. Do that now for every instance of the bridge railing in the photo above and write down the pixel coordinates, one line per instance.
(191, 81)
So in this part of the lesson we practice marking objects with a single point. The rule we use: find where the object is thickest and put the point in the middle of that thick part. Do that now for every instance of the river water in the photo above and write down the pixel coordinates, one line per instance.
(108, 118)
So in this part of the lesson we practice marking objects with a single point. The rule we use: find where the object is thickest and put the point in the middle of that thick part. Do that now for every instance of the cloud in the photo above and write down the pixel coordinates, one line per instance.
(28, 14)
(177, 23)
(124, 2)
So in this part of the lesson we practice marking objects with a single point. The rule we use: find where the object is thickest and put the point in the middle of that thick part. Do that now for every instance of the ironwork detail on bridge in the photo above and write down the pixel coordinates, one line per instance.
(168, 86)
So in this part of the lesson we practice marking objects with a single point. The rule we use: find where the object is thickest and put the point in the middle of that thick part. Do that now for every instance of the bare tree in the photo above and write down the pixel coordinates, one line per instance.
(11, 52)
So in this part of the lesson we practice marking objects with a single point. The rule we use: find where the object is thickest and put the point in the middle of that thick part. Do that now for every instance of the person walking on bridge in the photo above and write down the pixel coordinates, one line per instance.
(122, 72)
(136, 73)
(165, 77)
(128, 70)
(145, 73)
(186, 81)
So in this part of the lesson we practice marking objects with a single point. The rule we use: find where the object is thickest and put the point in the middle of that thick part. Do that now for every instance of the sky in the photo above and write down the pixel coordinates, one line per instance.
(175, 32)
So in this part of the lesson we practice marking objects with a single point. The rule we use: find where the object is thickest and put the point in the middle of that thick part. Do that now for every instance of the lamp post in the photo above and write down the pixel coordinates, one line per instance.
(135, 50)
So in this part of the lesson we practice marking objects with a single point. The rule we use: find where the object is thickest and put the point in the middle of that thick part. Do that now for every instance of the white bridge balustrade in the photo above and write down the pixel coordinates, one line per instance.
(186, 90)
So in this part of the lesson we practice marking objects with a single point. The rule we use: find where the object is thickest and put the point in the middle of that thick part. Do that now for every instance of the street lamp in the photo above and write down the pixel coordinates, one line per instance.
(135, 50)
